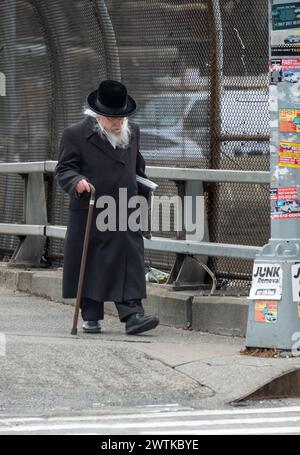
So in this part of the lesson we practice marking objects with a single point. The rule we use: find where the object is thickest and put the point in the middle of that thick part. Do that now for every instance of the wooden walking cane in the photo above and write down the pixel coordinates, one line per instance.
(83, 258)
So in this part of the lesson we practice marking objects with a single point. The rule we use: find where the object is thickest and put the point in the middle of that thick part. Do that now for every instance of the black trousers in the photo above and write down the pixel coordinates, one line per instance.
(92, 310)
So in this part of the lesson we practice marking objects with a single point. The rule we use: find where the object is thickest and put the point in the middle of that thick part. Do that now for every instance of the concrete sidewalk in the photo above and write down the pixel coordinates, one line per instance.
(47, 371)
(220, 315)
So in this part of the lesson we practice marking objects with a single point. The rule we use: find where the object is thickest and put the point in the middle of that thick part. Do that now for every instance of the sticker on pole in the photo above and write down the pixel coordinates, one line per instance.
(285, 203)
(284, 70)
(289, 154)
(266, 282)
(266, 311)
(285, 15)
(289, 120)
(285, 32)
(296, 282)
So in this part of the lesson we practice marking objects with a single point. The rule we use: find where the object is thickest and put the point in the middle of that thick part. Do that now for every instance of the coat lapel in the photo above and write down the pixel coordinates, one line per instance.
(103, 144)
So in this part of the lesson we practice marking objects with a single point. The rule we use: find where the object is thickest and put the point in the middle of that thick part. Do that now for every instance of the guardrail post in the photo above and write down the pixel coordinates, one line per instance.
(186, 272)
(31, 247)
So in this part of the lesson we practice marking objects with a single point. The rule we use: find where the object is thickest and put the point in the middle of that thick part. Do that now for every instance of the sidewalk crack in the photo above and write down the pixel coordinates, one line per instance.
(213, 392)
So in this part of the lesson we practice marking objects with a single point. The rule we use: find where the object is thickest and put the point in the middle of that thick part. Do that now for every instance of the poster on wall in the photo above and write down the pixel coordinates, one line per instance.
(266, 311)
(266, 282)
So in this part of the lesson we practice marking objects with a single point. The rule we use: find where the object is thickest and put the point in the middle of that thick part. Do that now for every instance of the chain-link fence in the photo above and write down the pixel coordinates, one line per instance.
(199, 73)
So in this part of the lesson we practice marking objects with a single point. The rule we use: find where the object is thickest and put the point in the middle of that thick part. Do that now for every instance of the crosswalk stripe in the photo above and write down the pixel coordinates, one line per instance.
(140, 425)
(156, 415)
(231, 431)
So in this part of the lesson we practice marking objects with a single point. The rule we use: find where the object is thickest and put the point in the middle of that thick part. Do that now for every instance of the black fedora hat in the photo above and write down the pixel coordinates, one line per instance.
(111, 100)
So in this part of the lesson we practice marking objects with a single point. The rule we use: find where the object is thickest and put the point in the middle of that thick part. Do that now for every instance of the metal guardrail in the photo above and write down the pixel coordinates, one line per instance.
(171, 173)
(22, 229)
(156, 243)
(180, 246)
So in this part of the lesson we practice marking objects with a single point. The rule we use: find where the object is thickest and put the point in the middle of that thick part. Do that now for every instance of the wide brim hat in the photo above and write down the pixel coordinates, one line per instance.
(111, 99)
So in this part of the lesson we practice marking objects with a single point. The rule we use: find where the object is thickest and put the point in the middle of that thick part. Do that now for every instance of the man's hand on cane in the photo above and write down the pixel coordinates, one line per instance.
(82, 186)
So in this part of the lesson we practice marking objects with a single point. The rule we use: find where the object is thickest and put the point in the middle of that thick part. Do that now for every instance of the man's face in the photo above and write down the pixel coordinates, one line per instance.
(112, 124)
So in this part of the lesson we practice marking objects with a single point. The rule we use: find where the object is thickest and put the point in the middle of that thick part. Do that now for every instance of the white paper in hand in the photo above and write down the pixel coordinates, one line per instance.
(148, 183)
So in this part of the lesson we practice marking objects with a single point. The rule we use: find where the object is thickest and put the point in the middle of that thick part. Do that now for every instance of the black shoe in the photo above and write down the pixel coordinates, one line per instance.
(91, 327)
(137, 323)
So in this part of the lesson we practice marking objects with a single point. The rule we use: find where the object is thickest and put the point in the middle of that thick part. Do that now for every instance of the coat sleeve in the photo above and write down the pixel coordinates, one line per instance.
(67, 171)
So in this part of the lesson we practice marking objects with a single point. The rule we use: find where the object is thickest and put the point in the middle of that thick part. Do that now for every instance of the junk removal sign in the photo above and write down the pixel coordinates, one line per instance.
(266, 282)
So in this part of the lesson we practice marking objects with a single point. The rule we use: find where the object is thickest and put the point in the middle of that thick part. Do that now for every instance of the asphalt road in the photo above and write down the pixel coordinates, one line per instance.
(168, 380)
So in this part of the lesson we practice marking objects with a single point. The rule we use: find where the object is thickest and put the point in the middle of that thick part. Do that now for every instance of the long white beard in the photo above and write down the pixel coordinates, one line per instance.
(120, 139)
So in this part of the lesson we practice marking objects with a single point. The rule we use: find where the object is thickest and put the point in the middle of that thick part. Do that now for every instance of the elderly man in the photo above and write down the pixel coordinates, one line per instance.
(103, 149)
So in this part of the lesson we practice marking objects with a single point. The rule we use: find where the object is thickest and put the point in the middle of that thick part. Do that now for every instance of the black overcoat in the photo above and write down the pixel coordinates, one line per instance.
(115, 259)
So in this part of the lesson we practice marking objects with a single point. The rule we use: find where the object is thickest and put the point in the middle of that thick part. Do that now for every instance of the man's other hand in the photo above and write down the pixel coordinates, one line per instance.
(82, 186)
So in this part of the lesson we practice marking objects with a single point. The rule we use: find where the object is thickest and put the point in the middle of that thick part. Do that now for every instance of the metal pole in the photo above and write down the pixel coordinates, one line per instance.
(10, 35)
(274, 312)
(216, 81)
(216, 95)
